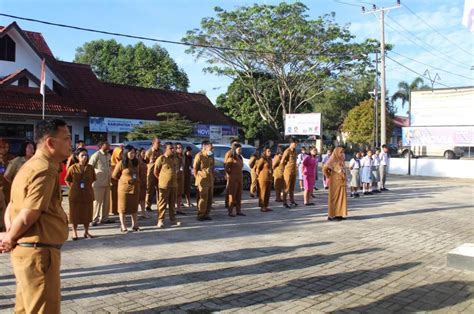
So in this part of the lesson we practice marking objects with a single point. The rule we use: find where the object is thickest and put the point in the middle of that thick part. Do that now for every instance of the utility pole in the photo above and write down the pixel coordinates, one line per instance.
(376, 91)
(383, 105)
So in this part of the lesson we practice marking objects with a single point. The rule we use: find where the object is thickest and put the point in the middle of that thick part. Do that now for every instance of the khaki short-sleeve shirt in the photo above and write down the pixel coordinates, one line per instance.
(36, 187)
(166, 168)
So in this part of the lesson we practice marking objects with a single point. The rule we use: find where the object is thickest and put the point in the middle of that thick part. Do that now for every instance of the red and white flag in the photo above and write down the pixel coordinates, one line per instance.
(43, 79)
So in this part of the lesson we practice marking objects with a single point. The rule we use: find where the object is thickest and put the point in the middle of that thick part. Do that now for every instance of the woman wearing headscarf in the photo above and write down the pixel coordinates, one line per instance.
(335, 170)
(79, 178)
(234, 164)
(127, 173)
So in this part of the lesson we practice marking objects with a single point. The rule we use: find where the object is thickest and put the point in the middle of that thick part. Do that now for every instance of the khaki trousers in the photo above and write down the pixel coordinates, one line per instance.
(205, 201)
(151, 189)
(254, 184)
(38, 285)
(234, 186)
(167, 198)
(101, 203)
(264, 193)
(290, 182)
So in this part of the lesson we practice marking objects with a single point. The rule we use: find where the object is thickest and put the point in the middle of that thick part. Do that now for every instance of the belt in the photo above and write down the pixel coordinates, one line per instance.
(35, 245)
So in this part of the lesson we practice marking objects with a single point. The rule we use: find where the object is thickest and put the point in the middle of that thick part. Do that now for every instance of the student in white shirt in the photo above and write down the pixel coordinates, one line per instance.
(299, 164)
(323, 161)
(383, 168)
(375, 172)
(354, 166)
(366, 173)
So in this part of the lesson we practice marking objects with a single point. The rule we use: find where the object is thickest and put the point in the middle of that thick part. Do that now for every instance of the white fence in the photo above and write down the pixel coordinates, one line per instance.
(433, 167)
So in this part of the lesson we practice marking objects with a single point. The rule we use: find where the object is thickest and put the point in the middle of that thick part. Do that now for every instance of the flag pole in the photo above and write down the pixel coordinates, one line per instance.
(43, 85)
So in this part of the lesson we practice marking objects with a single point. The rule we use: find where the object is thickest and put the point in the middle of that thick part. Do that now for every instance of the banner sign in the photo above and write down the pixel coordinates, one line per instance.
(101, 124)
(455, 136)
(214, 132)
(303, 124)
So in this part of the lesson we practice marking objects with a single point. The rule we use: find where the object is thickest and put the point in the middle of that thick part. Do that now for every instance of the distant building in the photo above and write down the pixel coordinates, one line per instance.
(94, 110)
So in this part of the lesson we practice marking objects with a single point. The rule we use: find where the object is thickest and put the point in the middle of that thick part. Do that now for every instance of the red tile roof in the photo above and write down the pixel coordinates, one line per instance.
(84, 93)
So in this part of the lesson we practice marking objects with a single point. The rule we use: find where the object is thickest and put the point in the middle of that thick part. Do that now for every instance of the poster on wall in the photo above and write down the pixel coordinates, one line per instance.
(303, 124)
(102, 124)
(456, 136)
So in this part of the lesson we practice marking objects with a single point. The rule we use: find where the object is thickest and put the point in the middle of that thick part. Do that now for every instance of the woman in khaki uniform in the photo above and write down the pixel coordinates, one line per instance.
(179, 177)
(143, 169)
(188, 166)
(127, 173)
(79, 178)
(264, 172)
(253, 174)
(27, 151)
(234, 164)
(335, 170)
(3, 205)
(114, 160)
(279, 181)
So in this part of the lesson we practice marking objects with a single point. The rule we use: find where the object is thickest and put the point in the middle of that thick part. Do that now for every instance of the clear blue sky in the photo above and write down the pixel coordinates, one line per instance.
(171, 19)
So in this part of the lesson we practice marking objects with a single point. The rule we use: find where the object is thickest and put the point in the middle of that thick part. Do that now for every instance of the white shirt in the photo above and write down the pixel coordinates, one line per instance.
(376, 160)
(325, 158)
(366, 162)
(101, 163)
(384, 159)
(354, 164)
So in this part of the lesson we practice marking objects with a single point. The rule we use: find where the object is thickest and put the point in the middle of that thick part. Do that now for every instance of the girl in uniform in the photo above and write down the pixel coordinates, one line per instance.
(253, 174)
(354, 167)
(366, 173)
(375, 172)
(335, 170)
(299, 163)
(79, 178)
(188, 166)
(127, 173)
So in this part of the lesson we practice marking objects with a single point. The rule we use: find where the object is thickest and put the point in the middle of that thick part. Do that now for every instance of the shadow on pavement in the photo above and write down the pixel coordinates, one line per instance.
(293, 290)
(271, 266)
(429, 297)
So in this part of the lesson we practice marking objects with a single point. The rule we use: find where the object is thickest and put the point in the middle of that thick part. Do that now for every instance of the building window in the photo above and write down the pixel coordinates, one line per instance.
(7, 48)
(23, 82)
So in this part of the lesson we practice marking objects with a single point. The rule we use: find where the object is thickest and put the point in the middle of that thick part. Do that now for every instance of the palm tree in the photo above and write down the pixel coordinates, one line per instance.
(404, 90)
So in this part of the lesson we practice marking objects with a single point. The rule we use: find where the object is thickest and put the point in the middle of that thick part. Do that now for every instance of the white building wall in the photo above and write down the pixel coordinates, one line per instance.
(427, 167)
(26, 58)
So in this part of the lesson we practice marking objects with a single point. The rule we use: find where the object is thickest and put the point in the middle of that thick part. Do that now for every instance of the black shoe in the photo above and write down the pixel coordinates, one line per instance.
(94, 223)
(241, 214)
(326, 188)
(180, 213)
(352, 195)
(330, 219)
(148, 209)
(207, 218)
(136, 229)
(370, 193)
(108, 221)
(286, 206)
(356, 195)
(316, 189)
(294, 204)
(309, 204)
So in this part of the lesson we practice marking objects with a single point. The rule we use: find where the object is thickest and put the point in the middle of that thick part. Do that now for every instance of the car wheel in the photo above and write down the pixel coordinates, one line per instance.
(449, 154)
(247, 181)
(405, 154)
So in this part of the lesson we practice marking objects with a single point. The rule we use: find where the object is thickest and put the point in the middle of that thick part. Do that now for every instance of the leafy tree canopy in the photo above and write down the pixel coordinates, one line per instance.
(136, 65)
(171, 126)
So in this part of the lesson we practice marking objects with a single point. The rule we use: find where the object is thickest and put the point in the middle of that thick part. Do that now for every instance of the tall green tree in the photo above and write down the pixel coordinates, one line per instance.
(347, 92)
(171, 126)
(301, 55)
(237, 103)
(359, 123)
(136, 65)
(405, 89)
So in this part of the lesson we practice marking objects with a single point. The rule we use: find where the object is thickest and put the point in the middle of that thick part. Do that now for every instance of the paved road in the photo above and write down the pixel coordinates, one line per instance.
(389, 256)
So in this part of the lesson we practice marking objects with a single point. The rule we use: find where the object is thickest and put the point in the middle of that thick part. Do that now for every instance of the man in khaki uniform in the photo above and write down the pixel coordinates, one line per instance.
(151, 182)
(37, 224)
(166, 168)
(204, 174)
(288, 161)
(100, 160)
(227, 155)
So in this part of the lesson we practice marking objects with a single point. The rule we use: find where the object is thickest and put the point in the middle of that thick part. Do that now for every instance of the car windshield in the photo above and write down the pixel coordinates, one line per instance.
(218, 163)
(247, 152)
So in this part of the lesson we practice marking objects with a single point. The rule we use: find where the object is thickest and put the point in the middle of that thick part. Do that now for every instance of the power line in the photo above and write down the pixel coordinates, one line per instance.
(446, 38)
(428, 65)
(417, 73)
(425, 43)
(347, 3)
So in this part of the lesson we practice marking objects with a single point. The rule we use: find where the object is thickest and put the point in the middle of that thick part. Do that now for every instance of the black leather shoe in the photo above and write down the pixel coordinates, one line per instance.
(286, 206)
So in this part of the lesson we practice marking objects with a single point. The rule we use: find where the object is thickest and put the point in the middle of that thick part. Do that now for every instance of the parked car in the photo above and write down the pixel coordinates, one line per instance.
(448, 152)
